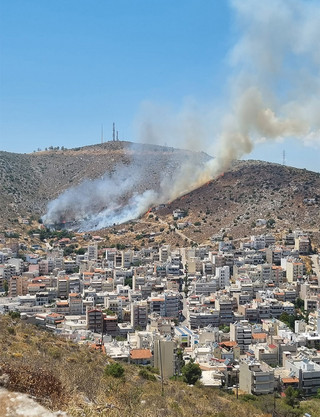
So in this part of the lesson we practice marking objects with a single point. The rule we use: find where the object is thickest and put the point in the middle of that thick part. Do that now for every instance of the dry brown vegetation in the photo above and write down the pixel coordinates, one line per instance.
(63, 375)
(230, 206)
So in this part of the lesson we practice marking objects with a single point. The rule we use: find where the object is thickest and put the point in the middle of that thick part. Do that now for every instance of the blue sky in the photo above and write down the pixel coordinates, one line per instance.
(66, 67)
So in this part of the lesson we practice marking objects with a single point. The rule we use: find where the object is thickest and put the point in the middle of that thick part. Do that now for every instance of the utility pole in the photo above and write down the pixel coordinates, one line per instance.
(237, 383)
(161, 369)
(101, 346)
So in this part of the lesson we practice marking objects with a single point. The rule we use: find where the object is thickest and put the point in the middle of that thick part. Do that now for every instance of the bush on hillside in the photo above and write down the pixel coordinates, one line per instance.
(114, 369)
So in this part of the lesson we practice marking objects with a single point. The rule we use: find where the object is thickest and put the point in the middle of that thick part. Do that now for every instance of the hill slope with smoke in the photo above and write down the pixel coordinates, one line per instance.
(273, 94)
(89, 179)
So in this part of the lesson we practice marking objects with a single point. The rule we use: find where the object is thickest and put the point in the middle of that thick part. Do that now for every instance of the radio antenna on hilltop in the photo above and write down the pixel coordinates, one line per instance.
(284, 157)
(101, 133)
(113, 132)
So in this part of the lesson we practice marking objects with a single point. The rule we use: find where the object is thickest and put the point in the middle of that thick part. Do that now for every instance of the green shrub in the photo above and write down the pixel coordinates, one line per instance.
(191, 372)
(114, 369)
(145, 374)
(248, 397)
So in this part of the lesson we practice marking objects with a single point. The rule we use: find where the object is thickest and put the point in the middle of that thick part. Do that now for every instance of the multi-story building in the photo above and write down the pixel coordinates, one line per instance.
(139, 314)
(256, 377)
(224, 305)
(258, 242)
(303, 245)
(294, 271)
(204, 318)
(127, 257)
(308, 373)
(92, 252)
(95, 320)
(110, 325)
(172, 304)
(75, 304)
(157, 305)
(63, 287)
(18, 285)
(164, 357)
(241, 332)
(265, 272)
(205, 287)
(223, 276)
(164, 253)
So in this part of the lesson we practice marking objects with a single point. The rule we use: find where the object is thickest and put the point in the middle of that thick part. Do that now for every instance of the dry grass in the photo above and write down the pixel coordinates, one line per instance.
(66, 376)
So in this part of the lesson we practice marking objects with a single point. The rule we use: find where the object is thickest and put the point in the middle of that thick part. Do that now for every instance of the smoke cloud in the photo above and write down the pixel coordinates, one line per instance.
(274, 88)
(125, 194)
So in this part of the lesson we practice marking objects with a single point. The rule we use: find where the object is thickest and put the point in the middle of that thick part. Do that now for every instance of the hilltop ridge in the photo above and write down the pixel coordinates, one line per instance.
(29, 181)
(230, 204)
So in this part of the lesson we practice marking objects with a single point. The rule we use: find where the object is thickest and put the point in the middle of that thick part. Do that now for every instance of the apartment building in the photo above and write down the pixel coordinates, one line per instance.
(256, 377)
(164, 357)
(224, 305)
(241, 332)
(294, 270)
(308, 373)
(139, 314)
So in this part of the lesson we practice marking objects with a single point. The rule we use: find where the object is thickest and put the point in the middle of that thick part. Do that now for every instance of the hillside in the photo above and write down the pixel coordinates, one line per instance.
(29, 181)
(251, 190)
(230, 206)
(64, 376)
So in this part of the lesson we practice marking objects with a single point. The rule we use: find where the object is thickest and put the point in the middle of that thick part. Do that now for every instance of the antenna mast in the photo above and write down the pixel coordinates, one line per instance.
(113, 132)
(284, 157)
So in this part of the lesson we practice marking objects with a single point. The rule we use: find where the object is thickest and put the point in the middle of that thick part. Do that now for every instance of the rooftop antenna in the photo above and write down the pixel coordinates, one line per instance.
(113, 132)
(284, 157)
(101, 133)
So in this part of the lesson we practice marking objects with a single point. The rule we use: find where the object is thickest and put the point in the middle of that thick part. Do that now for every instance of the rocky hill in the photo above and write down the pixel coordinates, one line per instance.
(229, 205)
(29, 181)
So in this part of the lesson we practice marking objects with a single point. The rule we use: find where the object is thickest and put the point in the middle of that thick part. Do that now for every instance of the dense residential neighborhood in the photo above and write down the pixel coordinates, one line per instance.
(247, 312)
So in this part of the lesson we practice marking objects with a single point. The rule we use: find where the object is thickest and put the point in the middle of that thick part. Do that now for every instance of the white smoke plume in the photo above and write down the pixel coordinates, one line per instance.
(122, 195)
(274, 94)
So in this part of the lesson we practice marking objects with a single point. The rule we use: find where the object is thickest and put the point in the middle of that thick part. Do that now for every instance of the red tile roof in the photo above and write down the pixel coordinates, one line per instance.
(259, 336)
(140, 354)
(290, 380)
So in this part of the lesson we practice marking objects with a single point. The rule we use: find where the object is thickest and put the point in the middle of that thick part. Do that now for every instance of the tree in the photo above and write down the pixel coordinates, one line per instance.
(299, 303)
(284, 317)
(191, 372)
(292, 397)
(270, 223)
(14, 314)
(114, 369)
